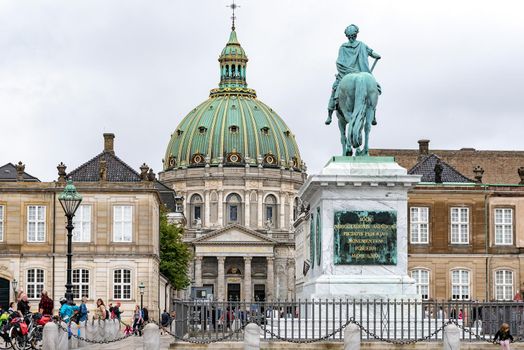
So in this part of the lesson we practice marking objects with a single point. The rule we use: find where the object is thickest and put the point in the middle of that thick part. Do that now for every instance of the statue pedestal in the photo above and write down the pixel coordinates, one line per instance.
(355, 235)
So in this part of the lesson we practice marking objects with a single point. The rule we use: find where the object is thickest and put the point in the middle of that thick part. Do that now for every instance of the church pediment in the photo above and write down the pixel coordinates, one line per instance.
(234, 234)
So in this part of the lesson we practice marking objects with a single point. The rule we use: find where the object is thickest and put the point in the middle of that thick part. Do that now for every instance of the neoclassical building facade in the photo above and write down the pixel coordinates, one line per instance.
(238, 167)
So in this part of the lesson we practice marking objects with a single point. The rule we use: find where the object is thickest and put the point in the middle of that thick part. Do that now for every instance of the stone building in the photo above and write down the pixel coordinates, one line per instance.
(115, 240)
(466, 222)
(238, 166)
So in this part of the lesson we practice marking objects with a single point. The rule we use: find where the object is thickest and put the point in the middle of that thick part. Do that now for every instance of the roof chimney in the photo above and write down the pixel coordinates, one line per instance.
(423, 148)
(109, 142)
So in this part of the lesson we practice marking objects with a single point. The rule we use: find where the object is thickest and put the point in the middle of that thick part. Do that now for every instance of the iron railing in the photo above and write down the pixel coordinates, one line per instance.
(380, 320)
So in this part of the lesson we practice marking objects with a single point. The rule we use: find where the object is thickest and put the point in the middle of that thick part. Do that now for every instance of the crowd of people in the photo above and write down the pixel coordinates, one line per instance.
(80, 313)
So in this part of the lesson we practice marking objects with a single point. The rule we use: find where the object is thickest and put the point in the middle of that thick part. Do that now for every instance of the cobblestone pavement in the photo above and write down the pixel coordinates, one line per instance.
(131, 343)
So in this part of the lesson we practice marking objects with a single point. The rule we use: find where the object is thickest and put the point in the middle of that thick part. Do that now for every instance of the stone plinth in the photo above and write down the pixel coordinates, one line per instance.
(374, 191)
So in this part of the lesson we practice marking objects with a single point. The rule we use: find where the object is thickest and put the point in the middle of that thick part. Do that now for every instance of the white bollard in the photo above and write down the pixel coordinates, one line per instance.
(73, 341)
(50, 336)
(82, 332)
(252, 337)
(151, 337)
(352, 337)
(63, 341)
(451, 337)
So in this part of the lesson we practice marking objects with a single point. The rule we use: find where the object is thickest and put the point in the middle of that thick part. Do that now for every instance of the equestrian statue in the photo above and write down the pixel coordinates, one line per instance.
(355, 94)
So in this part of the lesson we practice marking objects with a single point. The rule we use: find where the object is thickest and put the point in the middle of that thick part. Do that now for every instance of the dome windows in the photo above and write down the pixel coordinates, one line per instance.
(287, 133)
(197, 159)
(269, 159)
(234, 157)
(233, 129)
(179, 132)
(264, 130)
(202, 129)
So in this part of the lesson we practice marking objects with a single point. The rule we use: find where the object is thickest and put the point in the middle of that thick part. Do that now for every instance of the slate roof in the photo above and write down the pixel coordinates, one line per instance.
(8, 173)
(117, 170)
(426, 168)
(167, 195)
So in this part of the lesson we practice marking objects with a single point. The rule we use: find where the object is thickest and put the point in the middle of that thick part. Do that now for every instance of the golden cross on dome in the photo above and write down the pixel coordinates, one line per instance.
(233, 7)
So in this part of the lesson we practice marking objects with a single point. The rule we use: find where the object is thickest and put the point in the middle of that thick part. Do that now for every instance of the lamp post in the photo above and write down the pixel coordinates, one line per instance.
(70, 201)
(142, 288)
(14, 285)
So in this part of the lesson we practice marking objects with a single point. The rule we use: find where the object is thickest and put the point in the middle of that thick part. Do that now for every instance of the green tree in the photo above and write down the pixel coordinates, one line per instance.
(175, 255)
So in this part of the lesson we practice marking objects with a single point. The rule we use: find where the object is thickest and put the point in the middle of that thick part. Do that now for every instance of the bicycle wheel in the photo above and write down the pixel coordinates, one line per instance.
(5, 343)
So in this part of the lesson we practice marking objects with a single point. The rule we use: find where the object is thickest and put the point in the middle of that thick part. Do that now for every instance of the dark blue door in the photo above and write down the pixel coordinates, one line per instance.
(4, 293)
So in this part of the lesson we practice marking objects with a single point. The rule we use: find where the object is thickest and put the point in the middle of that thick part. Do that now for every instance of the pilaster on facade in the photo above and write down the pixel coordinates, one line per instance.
(247, 278)
(270, 278)
(221, 279)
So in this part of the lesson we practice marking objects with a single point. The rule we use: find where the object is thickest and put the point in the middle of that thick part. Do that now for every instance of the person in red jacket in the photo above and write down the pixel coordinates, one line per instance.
(45, 307)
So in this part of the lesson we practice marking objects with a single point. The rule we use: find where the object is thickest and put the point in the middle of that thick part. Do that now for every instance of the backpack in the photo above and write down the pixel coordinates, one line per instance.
(145, 314)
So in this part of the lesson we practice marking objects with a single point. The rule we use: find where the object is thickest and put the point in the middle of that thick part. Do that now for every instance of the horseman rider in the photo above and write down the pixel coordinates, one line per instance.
(352, 58)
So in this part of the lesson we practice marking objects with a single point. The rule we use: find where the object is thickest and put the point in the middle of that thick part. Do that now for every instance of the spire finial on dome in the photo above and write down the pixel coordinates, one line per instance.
(233, 6)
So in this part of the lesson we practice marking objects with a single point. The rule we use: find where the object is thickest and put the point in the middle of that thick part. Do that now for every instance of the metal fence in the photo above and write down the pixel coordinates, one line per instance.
(398, 321)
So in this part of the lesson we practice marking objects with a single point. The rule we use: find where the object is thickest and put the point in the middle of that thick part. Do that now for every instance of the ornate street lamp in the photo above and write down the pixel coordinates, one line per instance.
(14, 285)
(142, 288)
(70, 201)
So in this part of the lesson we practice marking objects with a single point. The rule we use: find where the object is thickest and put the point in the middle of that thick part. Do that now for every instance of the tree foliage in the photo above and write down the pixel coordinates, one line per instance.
(175, 255)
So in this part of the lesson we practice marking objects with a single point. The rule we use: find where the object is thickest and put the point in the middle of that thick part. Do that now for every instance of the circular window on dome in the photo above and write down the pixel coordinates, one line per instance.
(172, 161)
(269, 159)
(234, 157)
(197, 159)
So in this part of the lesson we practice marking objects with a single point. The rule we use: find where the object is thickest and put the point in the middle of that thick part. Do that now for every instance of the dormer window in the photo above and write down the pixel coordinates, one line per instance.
(179, 132)
(287, 133)
(265, 130)
(202, 129)
(233, 128)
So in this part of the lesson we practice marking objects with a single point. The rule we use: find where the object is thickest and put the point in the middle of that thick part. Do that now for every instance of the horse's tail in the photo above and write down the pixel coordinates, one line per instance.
(359, 112)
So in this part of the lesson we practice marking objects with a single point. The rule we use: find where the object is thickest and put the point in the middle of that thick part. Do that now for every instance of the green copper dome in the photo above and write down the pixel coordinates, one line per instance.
(233, 128)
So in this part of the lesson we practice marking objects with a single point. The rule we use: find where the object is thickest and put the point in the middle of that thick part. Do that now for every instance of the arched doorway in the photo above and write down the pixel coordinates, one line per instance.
(4, 293)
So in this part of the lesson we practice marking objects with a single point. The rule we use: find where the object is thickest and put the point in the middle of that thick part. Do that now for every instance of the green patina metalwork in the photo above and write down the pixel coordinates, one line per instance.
(233, 122)
(365, 238)
(318, 233)
(312, 240)
(354, 94)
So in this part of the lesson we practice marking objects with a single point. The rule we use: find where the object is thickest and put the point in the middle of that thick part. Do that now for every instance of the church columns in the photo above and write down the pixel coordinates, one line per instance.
(290, 279)
(198, 271)
(221, 279)
(270, 279)
(221, 220)
(247, 279)
(282, 210)
(207, 209)
(260, 217)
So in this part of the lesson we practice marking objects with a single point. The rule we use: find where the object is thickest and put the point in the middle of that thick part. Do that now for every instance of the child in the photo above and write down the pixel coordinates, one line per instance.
(503, 336)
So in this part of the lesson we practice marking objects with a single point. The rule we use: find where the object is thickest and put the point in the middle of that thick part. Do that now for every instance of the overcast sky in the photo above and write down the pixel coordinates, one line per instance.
(451, 71)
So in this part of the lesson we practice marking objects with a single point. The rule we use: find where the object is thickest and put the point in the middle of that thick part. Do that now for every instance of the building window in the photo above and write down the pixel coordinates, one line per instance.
(233, 208)
(122, 223)
(80, 283)
(460, 285)
(1, 223)
(419, 219)
(122, 284)
(421, 278)
(459, 225)
(504, 226)
(196, 210)
(35, 223)
(270, 209)
(82, 224)
(504, 285)
(35, 283)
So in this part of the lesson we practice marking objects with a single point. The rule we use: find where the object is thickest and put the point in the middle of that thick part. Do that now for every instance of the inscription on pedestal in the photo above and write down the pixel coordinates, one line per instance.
(365, 238)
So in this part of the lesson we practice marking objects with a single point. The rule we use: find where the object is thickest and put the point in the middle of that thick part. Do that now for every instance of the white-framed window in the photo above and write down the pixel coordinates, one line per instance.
(2, 222)
(82, 224)
(419, 219)
(234, 212)
(196, 205)
(503, 226)
(270, 208)
(36, 223)
(460, 285)
(122, 223)
(35, 283)
(421, 278)
(459, 225)
(122, 284)
(504, 285)
(80, 283)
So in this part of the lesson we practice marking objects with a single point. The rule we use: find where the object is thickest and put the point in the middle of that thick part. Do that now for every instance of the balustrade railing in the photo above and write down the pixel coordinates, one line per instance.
(380, 320)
